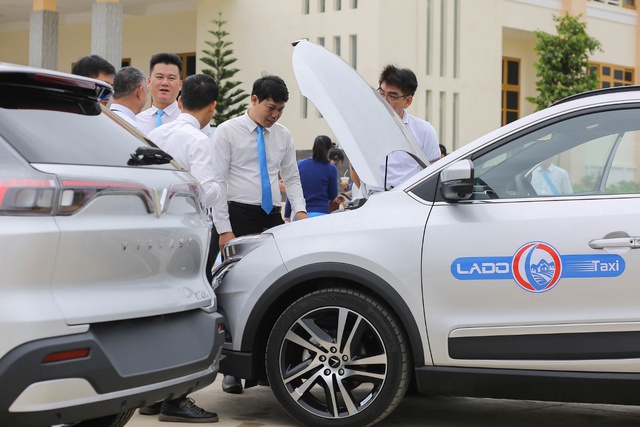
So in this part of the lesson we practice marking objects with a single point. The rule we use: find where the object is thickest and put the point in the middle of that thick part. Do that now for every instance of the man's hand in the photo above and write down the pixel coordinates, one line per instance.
(299, 216)
(224, 238)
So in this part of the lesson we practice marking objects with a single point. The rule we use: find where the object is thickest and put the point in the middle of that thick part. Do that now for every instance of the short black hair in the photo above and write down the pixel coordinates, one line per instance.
(166, 58)
(91, 66)
(443, 150)
(402, 78)
(269, 86)
(127, 81)
(198, 91)
(321, 146)
(336, 154)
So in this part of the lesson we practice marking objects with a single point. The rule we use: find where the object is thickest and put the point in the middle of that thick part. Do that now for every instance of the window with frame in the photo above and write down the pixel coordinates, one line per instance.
(591, 154)
(627, 4)
(613, 75)
(188, 64)
(510, 90)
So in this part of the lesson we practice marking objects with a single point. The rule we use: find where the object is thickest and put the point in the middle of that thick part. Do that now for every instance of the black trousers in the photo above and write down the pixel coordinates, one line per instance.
(245, 219)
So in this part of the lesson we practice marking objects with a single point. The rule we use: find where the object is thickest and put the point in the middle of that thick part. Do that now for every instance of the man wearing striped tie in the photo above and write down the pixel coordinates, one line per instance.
(165, 82)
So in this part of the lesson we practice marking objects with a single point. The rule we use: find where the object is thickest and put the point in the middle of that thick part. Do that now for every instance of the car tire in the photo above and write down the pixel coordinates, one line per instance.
(117, 420)
(315, 356)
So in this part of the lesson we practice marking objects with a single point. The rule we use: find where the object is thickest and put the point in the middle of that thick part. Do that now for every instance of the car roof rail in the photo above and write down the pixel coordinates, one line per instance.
(616, 89)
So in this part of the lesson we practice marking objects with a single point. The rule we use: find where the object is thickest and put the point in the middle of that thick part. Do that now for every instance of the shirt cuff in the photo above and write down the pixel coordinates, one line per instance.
(223, 227)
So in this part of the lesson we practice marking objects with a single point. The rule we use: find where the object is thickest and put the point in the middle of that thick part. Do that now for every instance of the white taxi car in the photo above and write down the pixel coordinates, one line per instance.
(505, 270)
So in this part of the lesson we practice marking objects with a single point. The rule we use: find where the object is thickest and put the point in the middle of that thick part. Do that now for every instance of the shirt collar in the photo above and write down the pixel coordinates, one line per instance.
(123, 109)
(186, 117)
(248, 121)
(405, 117)
(170, 110)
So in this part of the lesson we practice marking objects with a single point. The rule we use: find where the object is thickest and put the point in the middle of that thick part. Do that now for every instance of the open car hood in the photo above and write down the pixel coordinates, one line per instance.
(365, 124)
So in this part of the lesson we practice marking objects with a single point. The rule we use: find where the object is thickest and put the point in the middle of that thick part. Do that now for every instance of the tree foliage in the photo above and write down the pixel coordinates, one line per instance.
(220, 59)
(563, 61)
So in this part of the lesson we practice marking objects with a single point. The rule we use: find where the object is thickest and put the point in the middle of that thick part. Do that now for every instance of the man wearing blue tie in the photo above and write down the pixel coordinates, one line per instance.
(248, 154)
(550, 180)
(165, 82)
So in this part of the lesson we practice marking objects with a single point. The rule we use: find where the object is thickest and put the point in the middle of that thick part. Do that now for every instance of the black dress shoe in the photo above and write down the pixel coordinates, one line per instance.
(151, 410)
(185, 411)
(231, 384)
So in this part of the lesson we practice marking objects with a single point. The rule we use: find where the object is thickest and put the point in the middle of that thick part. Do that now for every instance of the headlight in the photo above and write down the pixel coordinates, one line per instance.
(234, 250)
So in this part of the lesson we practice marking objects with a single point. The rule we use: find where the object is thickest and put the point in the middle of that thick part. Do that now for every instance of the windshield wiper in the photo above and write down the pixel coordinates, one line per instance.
(149, 156)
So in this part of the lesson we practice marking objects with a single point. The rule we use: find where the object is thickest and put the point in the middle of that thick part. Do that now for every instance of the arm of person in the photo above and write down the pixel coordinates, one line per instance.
(301, 215)
(291, 178)
(224, 239)
(287, 211)
(220, 169)
(430, 144)
(354, 176)
(201, 159)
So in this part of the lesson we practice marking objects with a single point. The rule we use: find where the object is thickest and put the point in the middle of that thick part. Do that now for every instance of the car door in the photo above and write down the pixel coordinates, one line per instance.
(525, 276)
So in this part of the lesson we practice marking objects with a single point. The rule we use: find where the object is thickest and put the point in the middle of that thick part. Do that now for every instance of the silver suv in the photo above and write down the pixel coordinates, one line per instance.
(508, 269)
(104, 303)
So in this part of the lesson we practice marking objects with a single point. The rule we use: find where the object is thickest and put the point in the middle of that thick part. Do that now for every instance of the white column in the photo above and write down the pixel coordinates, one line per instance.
(106, 31)
(43, 35)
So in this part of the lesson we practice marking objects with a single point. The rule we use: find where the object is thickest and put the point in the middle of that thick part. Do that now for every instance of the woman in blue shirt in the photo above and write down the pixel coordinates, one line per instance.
(319, 179)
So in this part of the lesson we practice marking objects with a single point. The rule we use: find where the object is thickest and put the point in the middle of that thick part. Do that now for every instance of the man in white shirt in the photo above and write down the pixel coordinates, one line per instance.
(129, 94)
(165, 82)
(250, 200)
(95, 67)
(398, 86)
(548, 179)
(188, 145)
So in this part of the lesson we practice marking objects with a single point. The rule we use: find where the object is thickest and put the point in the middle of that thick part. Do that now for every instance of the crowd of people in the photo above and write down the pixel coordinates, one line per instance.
(249, 160)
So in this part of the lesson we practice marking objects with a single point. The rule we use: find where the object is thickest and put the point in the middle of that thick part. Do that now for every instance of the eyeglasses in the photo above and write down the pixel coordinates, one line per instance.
(390, 96)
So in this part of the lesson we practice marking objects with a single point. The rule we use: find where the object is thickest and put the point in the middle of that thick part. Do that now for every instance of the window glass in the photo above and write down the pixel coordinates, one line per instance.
(596, 153)
(48, 136)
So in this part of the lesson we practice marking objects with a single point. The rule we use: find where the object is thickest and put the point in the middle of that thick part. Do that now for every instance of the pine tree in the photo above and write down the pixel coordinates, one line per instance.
(220, 59)
(563, 62)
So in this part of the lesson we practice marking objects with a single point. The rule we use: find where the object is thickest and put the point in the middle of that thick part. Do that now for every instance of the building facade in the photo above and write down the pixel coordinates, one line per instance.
(473, 58)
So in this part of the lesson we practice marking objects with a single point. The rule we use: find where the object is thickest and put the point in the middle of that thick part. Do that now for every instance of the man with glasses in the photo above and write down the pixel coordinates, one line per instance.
(397, 86)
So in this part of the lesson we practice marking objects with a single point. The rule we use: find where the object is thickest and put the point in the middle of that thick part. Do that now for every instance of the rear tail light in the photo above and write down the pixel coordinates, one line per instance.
(25, 191)
(77, 193)
(46, 195)
(27, 196)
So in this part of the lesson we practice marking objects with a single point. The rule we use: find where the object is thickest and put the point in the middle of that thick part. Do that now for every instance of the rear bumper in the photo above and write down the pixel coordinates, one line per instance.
(131, 363)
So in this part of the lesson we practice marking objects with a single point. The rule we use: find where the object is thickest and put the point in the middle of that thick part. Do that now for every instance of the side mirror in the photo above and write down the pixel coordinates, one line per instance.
(456, 181)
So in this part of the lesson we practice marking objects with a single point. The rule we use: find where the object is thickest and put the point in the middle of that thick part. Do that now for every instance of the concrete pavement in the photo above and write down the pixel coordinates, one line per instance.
(258, 407)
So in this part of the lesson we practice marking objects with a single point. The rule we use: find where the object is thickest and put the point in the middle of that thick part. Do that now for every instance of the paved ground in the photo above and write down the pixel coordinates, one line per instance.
(258, 407)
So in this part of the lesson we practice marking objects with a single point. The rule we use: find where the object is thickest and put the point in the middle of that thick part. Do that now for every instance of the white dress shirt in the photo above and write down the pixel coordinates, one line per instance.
(237, 171)
(540, 178)
(183, 140)
(400, 166)
(147, 118)
(126, 114)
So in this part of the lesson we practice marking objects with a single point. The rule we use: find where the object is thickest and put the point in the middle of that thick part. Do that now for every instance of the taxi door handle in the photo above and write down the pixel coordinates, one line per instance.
(617, 239)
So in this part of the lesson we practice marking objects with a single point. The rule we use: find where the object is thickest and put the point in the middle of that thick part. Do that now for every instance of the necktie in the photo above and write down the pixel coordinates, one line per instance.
(159, 114)
(267, 203)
